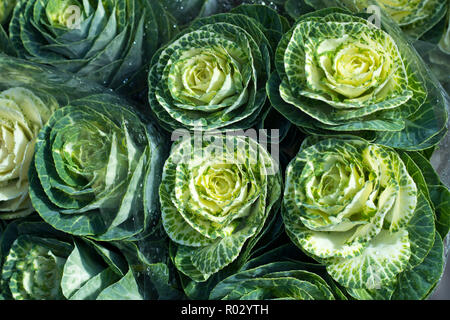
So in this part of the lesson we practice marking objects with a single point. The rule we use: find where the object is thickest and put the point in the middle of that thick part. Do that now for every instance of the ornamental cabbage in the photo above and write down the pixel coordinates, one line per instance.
(337, 73)
(96, 170)
(216, 196)
(108, 41)
(23, 114)
(213, 75)
(39, 263)
(355, 207)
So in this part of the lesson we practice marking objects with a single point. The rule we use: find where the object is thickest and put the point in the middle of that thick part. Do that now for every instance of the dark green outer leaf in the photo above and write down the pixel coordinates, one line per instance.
(184, 11)
(417, 283)
(439, 194)
(124, 289)
(296, 8)
(149, 261)
(421, 231)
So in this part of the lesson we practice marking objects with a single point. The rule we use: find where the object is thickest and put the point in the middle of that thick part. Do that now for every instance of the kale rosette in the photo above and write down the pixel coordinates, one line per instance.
(108, 41)
(213, 75)
(97, 169)
(338, 73)
(367, 214)
(215, 198)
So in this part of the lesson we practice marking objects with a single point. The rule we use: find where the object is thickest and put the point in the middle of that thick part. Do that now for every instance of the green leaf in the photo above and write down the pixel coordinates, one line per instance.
(124, 289)
(421, 231)
(384, 258)
(81, 266)
(95, 285)
(417, 283)
(439, 194)
(297, 8)
(374, 294)
(109, 42)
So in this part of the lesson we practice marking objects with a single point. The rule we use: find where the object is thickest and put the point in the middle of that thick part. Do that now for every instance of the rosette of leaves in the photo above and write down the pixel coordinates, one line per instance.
(338, 73)
(276, 275)
(41, 263)
(216, 196)
(6, 7)
(96, 170)
(212, 76)
(108, 41)
(374, 217)
(23, 114)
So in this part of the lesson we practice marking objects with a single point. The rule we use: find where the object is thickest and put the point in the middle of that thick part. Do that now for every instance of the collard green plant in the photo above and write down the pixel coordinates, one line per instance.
(41, 263)
(216, 196)
(97, 169)
(212, 76)
(6, 7)
(23, 114)
(337, 73)
(369, 214)
(108, 41)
